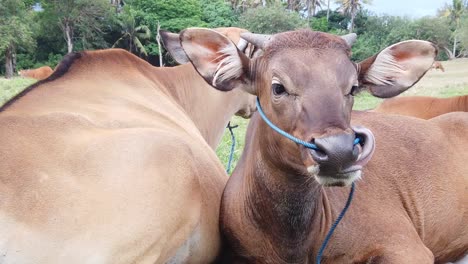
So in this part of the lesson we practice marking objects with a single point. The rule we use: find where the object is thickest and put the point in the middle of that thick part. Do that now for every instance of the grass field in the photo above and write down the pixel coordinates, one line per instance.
(452, 82)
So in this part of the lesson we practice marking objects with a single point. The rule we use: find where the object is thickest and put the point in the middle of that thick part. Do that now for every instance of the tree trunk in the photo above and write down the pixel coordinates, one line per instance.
(328, 10)
(449, 53)
(352, 24)
(454, 44)
(158, 39)
(9, 62)
(69, 37)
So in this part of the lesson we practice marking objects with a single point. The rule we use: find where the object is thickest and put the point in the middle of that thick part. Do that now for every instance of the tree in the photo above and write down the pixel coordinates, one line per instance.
(15, 31)
(337, 22)
(269, 20)
(463, 33)
(79, 19)
(436, 30)
(312, 5)
(218, 13)
(351, 8)
(132, 34)
(172, 17)
(455, 12)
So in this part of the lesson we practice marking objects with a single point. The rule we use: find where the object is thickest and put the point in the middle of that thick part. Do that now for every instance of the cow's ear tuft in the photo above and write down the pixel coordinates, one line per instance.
(397, 67)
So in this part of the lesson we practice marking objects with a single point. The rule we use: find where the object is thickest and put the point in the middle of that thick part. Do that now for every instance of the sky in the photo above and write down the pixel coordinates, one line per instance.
(410, 8)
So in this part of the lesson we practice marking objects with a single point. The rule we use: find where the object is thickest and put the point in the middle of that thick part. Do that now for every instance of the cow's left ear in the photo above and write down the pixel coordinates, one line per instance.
(397, 67)
(217, 59)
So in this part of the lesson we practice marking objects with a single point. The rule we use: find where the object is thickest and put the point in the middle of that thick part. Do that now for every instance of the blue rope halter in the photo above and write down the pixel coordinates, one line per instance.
(311, 146)
(287, 135)
(233, 145)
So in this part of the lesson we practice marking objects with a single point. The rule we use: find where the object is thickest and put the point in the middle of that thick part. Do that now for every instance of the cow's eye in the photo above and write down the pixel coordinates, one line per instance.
(278, 88)
(354, 90)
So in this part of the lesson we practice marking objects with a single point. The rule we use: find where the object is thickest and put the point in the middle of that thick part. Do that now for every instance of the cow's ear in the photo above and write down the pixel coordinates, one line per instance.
(217, 59)
(397, 67)
(171, 42)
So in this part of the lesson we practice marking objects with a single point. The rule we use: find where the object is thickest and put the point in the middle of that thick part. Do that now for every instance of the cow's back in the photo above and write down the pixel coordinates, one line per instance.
(105, 170)
(424, 107)
(408, 199)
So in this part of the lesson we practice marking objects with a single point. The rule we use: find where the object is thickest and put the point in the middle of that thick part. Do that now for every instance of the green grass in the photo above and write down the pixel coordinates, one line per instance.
(11, 87)
(453, 82)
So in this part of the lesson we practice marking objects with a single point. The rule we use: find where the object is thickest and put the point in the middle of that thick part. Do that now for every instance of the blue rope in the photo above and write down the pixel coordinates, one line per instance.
(335, 224)
(233, 139)
(311, 146)
(285, 134)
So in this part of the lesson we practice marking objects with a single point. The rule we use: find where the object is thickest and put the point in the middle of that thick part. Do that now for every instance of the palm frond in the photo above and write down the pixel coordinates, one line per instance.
(139, 47)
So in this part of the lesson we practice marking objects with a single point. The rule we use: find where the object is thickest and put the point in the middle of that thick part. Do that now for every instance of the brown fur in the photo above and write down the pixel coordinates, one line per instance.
(107, 161)
(423, 106)
(438, 66)
(410, 206)
(40, 73)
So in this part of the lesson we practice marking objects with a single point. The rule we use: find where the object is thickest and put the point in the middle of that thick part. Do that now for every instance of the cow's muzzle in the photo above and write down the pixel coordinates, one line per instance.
(339, 160)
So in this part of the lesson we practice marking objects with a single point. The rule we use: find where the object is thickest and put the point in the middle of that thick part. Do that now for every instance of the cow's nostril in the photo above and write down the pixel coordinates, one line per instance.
(319, 155)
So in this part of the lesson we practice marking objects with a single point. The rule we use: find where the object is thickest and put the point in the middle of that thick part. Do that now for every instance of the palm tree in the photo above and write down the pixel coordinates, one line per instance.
(132, 35)
(351, 7)
(455, 12)
(312, 5)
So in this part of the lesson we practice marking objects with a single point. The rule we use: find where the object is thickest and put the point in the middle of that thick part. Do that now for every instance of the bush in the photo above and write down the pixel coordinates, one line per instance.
(270, 20)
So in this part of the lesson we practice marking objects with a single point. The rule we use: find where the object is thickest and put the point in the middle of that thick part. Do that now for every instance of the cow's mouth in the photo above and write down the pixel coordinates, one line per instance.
(340, 161)
(343, 178)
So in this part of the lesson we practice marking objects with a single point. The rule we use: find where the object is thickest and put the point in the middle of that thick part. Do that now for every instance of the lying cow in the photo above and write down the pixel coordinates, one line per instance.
(40, 73)
(411, 206)
(437, 65)
(423, 106)
(104, 162)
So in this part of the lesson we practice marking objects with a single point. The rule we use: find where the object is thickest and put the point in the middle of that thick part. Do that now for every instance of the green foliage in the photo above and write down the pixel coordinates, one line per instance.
(15, 25)
(172, 16)
(218, 13)
(336, 21)
(132, 35)
(268, 20)
(463, 32)
(319, 24)
(83, 20)
(25, 61)
(15, 32)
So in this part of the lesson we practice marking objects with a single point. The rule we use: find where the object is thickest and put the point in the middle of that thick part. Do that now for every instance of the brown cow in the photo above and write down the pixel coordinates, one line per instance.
(412, 206)
(437, 65)
(40, 73)
(423, 106)
(104, 162)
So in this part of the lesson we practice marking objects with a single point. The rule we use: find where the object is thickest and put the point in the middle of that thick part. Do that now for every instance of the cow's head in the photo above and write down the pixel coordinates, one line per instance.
(172, 44)
(306, 83)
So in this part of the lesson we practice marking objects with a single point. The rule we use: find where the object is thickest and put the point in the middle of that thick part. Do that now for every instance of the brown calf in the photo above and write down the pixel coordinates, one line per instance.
(411, 206)
(40, 73)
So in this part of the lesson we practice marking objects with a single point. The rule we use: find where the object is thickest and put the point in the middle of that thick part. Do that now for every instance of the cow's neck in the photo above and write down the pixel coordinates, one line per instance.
(209, 108)
(289, 204)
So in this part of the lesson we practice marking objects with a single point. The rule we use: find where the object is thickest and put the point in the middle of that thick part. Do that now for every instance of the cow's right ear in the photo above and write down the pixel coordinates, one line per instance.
(217, 59)
(396, 68)
(171, 42)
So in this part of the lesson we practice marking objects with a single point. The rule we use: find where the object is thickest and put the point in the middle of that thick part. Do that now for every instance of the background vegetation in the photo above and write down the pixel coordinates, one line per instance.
(34, 33)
